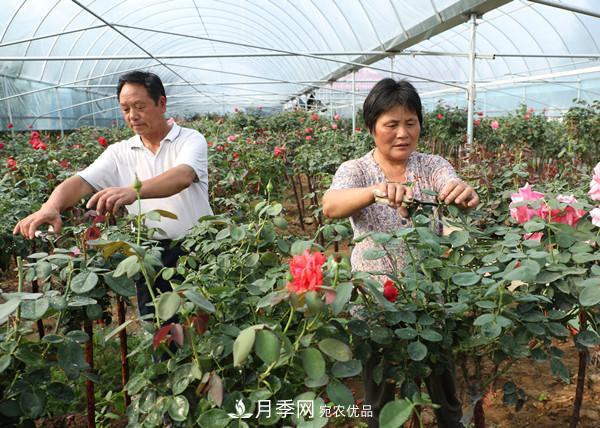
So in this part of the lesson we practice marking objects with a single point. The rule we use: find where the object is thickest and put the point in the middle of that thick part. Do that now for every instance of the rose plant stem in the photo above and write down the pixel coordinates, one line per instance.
(583, 355)
(123, 349)
(89, 385)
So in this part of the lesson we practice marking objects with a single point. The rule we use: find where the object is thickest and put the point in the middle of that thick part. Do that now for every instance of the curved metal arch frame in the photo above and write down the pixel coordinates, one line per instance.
(118, 63)
(93, 68)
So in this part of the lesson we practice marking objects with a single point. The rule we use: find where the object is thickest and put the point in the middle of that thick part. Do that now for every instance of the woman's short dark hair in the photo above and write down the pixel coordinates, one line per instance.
(388, 94)
(150, 81)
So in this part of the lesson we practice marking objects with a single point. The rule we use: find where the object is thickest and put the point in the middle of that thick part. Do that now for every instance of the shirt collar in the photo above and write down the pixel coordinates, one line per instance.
(174, 132)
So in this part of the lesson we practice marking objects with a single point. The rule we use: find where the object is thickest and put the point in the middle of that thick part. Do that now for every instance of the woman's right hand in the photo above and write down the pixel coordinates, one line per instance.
(397, 194)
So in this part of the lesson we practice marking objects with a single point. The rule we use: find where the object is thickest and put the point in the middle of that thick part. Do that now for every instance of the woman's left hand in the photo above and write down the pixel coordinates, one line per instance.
(459, 193)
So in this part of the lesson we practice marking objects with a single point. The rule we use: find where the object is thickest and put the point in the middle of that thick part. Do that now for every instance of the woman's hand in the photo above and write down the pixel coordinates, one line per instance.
(397, 194)
(459, 193)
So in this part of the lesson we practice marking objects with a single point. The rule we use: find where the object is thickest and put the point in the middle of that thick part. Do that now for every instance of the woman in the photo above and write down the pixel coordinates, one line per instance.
(396, 171)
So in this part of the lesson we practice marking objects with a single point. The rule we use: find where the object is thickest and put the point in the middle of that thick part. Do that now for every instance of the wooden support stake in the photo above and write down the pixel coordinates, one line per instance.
(89, 385)
(123, 349)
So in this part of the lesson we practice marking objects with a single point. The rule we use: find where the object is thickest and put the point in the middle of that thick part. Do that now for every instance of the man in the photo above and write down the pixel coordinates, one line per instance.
(170, 161)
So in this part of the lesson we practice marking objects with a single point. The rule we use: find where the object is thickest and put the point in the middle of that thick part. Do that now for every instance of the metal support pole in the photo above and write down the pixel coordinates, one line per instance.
(353, 101)
(471, 88)
(60, 121)
(10, 117)
(93, 115)
(331, 102)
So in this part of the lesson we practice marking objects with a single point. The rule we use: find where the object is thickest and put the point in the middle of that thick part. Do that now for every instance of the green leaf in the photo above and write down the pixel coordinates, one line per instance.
(484, 319)
(395, 413)
(5, 361)
(298, 247)
(237, 233)
(339, 394)
(70, 357)
(407, 333)
(458, 238)
(61, 392)
(280, 222)
(179, 408)
(267, 346)
(274, 209)
(342, 296)
(590, 295)
(534, 226)
(431, 335)
(527, 272)
(466, 278)
(335, 349)
(136, 384)
(346, 369)
(587, 338)
(313, 363)
(34, 309)
(223, 234)
(77, 301)
(43, 270)
(373, 254)
(199, 300)
(84, 282)
(243, 345)
(416, 351)
(168, 305)
(181, 378)
(585, 257)
(129, 266)
(32, 403)
(121, 285)
(7, 309)
(213, 418)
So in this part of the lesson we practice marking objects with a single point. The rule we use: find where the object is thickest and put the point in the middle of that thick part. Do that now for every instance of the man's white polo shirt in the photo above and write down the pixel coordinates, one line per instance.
(118, 164)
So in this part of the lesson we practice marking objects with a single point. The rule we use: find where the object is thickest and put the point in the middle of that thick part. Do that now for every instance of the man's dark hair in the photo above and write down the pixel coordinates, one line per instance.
(150, 81)
(388, 94)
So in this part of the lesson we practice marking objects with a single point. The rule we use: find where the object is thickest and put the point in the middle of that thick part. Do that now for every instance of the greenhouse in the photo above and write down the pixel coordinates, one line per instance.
(358, 213)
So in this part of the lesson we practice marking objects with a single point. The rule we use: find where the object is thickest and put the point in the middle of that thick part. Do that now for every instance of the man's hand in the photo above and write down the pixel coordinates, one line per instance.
(112, 199)
(459, 193)
(46, 215)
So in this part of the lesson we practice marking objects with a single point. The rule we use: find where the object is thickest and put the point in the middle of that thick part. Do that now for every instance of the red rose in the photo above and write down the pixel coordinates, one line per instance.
(479, 113)
(279, 151)
(235, 155)
(220, 148)
(440, 116)
(306, 272)
(65, 163)
(308, 130)
(92, 233)
(10, 126)
(315, 116)
(390, 292)
(102, 141)
(1, 146)
(11, 164)
(308, 137)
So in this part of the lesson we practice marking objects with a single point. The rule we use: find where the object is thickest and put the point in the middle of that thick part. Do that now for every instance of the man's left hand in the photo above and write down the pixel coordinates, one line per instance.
(112, 199)
(459, 193)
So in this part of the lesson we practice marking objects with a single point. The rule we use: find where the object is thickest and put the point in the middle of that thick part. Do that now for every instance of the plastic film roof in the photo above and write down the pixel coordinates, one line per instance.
(60, 59)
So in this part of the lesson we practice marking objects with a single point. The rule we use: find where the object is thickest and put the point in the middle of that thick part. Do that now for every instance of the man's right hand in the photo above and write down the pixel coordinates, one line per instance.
(46, 215)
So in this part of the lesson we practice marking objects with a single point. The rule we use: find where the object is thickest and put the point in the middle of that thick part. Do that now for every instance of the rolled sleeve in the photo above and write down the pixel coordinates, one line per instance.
(442, 173)
(194, 153)
(102, 173)
(348, 176)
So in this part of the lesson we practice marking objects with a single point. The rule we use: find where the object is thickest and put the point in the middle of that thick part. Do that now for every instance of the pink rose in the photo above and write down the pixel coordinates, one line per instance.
(495, 125)
(524, 213)
(594, 192)
(595, 215)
